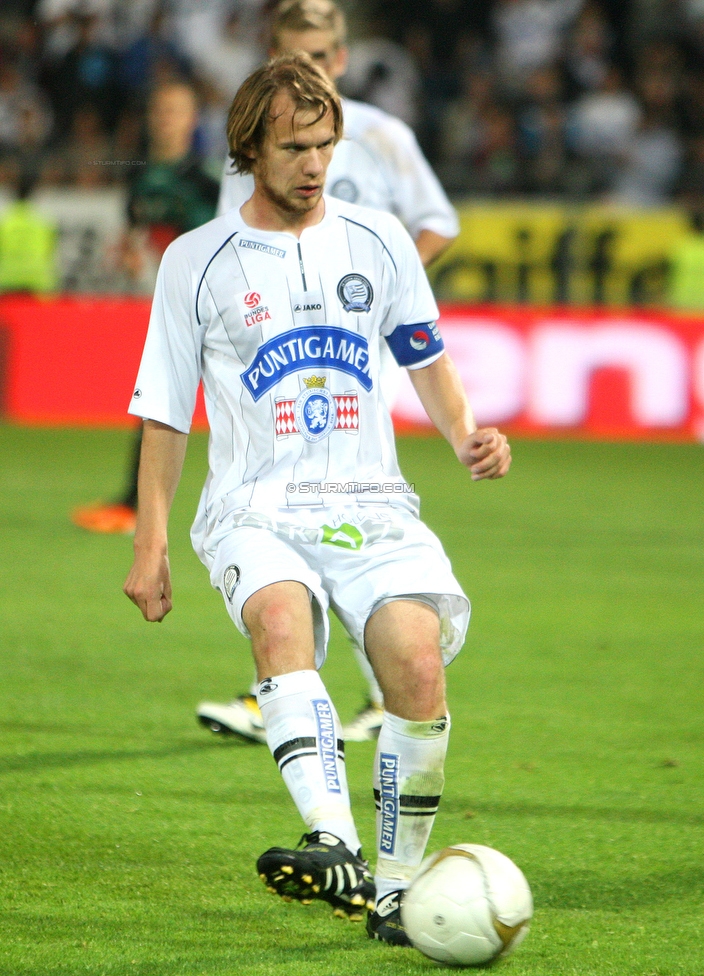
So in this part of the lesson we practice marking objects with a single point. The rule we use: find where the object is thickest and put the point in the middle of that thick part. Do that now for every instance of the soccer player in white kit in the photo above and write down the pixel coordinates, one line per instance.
(278, 309)
(377, 164)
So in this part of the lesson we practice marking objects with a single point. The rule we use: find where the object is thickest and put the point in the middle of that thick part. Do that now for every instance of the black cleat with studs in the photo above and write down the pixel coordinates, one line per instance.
(320, 867)
(385, 923)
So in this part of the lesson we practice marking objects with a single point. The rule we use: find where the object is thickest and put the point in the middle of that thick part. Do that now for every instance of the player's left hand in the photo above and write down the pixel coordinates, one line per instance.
(486, 453)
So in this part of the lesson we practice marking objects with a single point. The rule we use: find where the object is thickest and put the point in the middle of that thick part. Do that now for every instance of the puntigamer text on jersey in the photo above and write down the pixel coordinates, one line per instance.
(314, 345)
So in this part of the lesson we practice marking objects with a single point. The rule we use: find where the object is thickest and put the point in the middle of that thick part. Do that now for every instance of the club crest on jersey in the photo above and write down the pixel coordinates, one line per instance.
(315, 410)
(318, 347)
(346, 409)
(345, 189)
(356, 293)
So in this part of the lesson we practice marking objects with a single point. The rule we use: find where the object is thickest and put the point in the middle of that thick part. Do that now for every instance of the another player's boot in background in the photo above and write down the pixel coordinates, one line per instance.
(239, 717)
(366, 724)
(242, 717)
(113, 519)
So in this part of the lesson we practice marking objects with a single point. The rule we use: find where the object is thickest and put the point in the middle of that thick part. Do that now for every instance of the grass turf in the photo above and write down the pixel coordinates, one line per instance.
(128, 834)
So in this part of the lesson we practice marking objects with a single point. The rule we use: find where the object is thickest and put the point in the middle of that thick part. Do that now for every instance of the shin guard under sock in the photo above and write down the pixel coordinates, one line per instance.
(305, 737)
(408, 782)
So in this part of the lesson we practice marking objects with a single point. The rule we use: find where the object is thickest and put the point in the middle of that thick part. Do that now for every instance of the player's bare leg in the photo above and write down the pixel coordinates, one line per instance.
(403, 642)
(270, 614)
(280, 623)
(305, 738)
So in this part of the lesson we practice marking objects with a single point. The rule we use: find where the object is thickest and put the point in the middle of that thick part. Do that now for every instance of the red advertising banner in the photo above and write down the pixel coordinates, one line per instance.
(568, 372)
(531, 371)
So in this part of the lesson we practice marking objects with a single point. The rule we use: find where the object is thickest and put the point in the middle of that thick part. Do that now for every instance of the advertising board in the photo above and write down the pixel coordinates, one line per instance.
(538, 372)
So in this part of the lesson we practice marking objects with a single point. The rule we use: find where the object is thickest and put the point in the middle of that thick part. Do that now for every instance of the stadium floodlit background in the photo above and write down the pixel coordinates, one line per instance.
(570, 135)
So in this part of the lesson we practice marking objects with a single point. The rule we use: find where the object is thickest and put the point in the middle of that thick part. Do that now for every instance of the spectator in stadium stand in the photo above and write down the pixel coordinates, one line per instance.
(463, 130)
(384, 74)
(232, 55)
(690, 189)
(495, 166)
(85, 74)
(25, 125)
(529, 35)
(168, 196)
(27, 245)
(603, 125)
(652, 162)
(588, 50)
(17, 94)
(149, 59)
(542, 133)
(86, 158)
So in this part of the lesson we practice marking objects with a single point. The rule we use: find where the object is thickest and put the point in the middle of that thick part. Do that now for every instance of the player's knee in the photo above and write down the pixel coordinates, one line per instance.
(275, 623)
(425, 674)
(426, 661)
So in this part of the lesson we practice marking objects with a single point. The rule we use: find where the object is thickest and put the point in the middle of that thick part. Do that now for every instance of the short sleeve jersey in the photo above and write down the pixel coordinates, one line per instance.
(284, 334)
(377, 164)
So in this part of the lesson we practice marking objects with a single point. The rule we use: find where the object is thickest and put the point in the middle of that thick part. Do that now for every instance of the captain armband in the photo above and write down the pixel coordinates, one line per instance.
(415, 345)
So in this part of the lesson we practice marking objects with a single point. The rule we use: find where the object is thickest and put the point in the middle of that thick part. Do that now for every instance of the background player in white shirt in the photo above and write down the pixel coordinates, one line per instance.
(377, 164)
(276, 562)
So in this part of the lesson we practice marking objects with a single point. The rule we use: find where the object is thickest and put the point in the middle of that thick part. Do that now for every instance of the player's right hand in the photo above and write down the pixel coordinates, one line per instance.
(148, 585)
(486, 453)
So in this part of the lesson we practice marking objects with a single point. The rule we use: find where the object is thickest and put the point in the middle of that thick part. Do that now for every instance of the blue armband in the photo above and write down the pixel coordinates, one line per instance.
(412, 344)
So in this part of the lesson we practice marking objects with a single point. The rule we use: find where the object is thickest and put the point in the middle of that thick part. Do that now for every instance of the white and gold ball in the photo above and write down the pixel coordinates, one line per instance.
(468, 905)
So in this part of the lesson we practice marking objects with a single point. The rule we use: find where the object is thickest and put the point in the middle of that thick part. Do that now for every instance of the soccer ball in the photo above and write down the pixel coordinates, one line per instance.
(468, 905)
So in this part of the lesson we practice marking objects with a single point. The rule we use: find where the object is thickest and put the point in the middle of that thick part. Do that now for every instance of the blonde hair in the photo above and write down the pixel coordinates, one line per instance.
(304, 15)
(249, 116)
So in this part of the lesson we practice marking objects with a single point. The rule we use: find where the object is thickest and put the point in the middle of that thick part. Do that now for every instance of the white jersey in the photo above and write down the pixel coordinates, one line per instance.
(284, 334)
(379, 164)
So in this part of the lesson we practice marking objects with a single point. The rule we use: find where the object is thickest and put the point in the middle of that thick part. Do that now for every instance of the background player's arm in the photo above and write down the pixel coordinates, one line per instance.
(148, 584)
(431, 245)
(483, 450)
(420, 201)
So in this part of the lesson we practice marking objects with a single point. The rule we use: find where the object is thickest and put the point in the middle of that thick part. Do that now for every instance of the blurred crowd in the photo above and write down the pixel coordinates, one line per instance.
(578, 99)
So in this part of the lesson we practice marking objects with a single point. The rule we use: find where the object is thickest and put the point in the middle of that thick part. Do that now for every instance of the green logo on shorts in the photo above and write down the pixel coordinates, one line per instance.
(345, 536)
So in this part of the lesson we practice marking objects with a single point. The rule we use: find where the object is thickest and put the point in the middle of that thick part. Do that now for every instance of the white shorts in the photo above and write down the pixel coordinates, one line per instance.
(351, 559)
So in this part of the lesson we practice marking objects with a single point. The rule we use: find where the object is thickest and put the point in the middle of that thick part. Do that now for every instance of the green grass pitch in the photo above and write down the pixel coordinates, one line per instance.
(128, 834)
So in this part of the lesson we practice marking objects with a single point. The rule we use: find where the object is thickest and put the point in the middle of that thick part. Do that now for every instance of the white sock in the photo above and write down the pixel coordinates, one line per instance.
(305, 738)
(408, 783)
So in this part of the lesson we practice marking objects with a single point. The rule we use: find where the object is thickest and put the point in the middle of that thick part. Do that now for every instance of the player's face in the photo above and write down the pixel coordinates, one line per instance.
(322, 46)
(172, 118)
(289, 169)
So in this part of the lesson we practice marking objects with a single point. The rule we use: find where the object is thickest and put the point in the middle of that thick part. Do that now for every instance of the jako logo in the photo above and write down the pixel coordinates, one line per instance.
(252, 299)
(307, 308)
